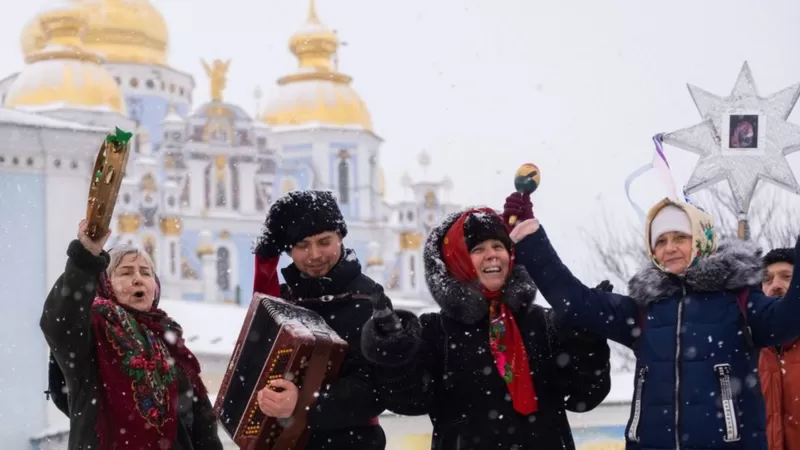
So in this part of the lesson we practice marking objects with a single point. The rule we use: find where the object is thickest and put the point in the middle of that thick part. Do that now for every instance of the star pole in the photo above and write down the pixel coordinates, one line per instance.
(743, 138)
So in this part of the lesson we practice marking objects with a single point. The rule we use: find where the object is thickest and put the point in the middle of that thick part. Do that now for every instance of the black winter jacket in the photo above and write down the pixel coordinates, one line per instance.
(345, 415)
(66, 323)
(441, 365)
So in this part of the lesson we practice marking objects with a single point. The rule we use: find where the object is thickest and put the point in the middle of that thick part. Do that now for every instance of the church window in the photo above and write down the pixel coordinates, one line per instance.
(149, 247)
(208, 186)
(173, 265)
(412, 271)
(220, 194)
(134, 82)
(223, 268)
(150, 84)
(344, 182)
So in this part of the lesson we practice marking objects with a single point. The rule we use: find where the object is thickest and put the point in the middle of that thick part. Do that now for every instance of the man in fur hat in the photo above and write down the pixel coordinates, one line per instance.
(324, 277)
(779, 367)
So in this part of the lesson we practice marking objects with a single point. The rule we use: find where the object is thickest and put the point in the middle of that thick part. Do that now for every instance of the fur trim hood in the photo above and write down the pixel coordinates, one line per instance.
(734, 265)
(462, 301)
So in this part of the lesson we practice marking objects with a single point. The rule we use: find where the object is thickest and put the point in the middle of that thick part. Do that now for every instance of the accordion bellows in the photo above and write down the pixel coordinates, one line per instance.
(278, 340)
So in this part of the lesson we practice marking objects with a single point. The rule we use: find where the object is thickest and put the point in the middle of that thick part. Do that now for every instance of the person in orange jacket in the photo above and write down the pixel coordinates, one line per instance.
(779, 367)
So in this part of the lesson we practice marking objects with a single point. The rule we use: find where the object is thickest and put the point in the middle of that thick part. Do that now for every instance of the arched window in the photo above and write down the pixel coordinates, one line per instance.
(344, 182)
(149, 245)
(223, 268)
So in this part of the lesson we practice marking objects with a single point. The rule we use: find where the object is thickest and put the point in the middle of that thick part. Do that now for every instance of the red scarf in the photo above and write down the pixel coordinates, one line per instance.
(140, 356)
(505, 340)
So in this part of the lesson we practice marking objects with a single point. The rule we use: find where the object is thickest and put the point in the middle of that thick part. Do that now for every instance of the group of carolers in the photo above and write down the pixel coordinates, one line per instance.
(491, 369)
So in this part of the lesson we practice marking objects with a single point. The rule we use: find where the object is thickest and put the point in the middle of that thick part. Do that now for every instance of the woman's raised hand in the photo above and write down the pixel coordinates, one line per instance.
(94, 246)
(523, 229)
(517, 205)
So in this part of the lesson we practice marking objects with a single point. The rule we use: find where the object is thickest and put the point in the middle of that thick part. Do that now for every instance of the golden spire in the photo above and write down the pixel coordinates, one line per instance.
(315, 44)
(312, 13)
(218, 74)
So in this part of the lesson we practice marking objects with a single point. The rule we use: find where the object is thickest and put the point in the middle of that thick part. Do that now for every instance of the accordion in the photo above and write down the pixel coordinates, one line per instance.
(278, 340)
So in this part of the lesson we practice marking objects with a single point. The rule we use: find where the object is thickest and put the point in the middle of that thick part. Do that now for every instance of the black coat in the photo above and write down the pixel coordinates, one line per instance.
(450, 374)
(345, 415)
(66, 323)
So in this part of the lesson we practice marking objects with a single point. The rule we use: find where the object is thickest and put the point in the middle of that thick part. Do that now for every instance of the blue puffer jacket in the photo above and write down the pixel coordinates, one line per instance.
(697, 385)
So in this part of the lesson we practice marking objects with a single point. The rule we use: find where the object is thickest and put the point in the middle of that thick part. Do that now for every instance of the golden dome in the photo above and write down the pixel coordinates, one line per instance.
(317, 92)
(122, 31)
(64, 72)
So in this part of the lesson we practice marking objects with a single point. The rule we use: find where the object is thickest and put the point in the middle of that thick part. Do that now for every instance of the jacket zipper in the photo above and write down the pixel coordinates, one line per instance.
(678, 326)
(723, 372)
(633, 430)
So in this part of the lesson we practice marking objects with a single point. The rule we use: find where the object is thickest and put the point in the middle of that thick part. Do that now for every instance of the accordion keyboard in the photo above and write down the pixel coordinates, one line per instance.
(276, 370)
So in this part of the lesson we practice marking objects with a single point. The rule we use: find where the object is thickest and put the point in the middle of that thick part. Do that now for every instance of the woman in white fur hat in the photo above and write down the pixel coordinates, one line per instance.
(695, 317)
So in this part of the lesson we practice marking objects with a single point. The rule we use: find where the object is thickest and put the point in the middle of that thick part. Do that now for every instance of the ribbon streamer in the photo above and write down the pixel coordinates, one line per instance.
(661, 165)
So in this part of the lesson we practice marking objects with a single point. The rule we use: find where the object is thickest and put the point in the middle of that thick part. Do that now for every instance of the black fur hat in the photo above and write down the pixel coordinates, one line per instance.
(480, 227)
(296, 216)
(777, 255)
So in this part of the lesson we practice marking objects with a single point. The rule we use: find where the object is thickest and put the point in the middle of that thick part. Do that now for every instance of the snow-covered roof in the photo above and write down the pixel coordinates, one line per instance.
(13, 116)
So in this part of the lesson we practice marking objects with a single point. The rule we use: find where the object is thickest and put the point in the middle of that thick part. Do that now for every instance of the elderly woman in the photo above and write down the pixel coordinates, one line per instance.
(492, 369)
(131, 382)
(695, 317)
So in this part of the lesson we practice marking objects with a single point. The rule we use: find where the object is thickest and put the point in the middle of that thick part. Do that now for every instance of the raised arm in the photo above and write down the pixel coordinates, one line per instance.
(584, 366)
(609, 315)
(774, 321)
(66, 319)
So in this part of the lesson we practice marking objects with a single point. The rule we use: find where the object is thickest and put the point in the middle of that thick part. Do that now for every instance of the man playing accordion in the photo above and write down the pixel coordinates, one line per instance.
(326, 278)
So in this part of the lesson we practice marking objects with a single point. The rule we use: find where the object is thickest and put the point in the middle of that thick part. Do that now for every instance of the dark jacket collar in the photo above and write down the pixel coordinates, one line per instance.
(335, 282)
(464, 302)
(734, 265)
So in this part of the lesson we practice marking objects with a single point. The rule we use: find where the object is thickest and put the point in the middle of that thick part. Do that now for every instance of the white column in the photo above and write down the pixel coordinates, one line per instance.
(246, 187)
(208, 261)
(197, 185)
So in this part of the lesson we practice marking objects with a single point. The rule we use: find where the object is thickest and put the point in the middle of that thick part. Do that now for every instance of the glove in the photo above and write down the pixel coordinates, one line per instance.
(518, 205)
(386, 320)
(269, 243)
(605, 286)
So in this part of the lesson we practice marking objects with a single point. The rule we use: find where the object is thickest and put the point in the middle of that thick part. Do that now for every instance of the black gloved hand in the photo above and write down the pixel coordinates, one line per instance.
(386, 320)
(606, 286)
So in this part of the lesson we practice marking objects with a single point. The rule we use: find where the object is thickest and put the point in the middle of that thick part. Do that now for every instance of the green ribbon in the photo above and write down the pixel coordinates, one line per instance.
(119, 137)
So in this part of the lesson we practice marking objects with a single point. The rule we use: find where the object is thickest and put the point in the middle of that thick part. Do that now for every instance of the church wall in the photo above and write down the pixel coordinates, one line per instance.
(244, 265)
(23, 373)
(350, 211)
(150, 111)
(189, 241)
(65, 200)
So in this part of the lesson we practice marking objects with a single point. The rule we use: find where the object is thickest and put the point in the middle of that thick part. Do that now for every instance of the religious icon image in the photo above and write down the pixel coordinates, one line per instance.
(743, 131)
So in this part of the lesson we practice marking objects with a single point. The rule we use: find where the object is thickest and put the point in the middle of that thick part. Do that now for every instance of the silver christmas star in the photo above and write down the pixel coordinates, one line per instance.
(743, 138)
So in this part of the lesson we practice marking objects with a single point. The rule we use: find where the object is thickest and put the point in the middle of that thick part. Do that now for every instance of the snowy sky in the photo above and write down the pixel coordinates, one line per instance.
(578, 87)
